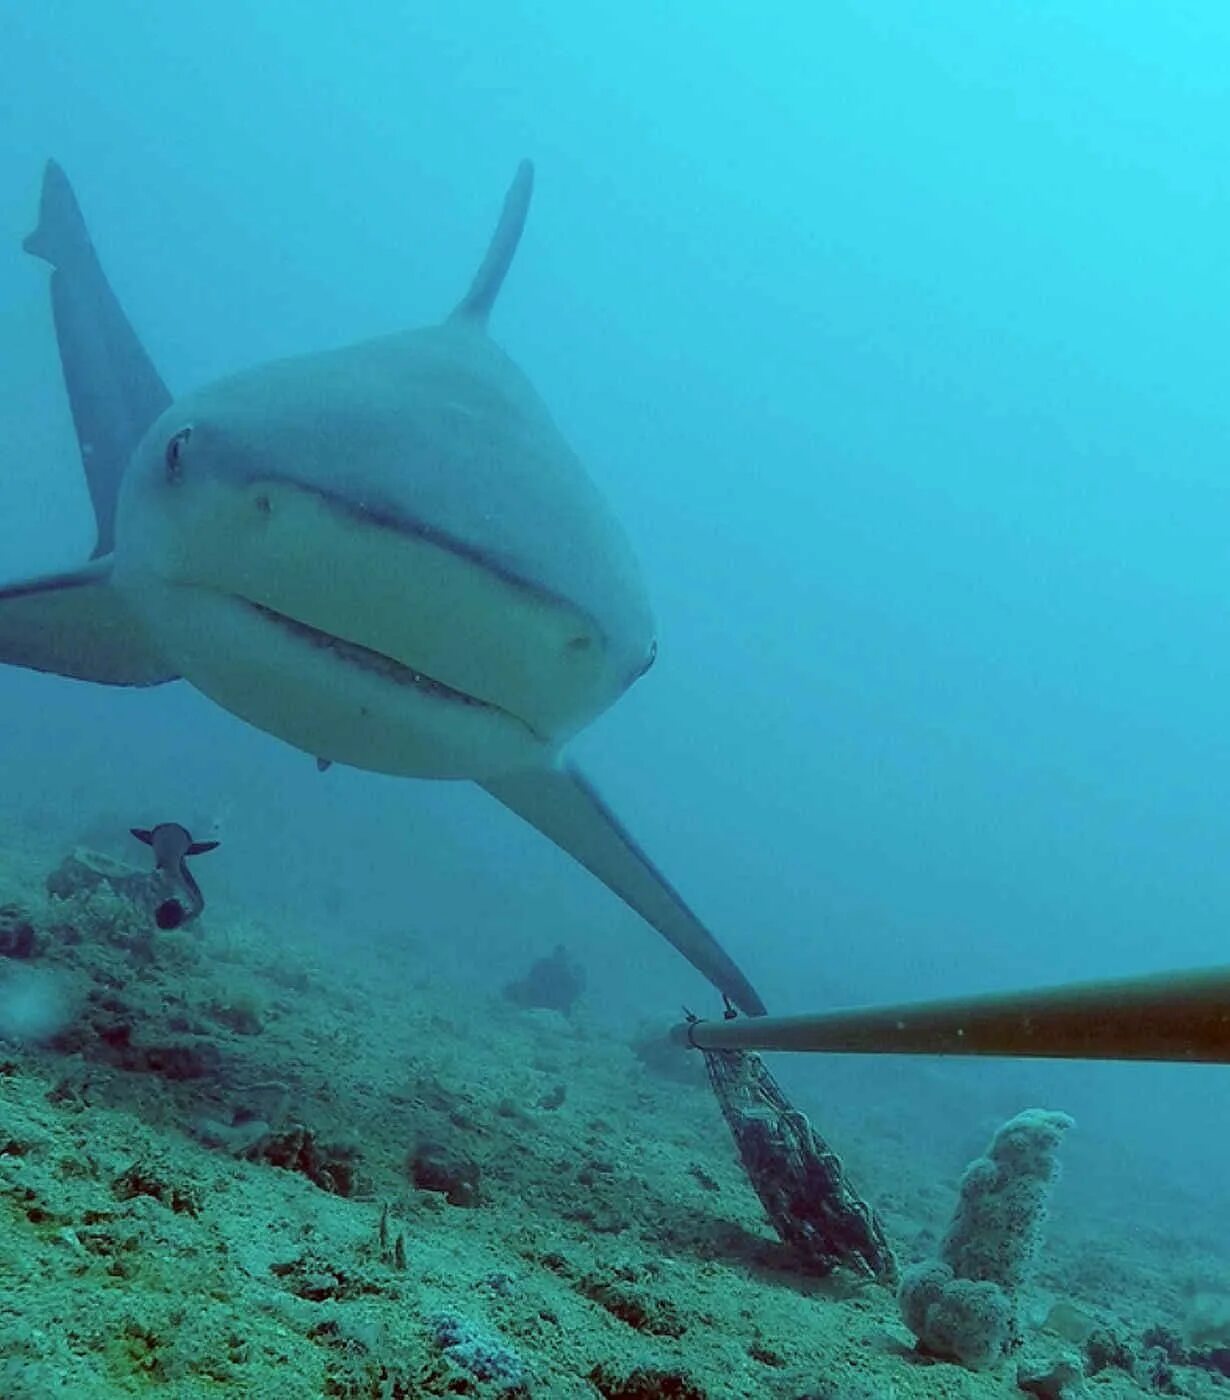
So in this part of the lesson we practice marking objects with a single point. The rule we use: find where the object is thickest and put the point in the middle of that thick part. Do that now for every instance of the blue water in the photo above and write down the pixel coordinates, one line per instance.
(896, 336)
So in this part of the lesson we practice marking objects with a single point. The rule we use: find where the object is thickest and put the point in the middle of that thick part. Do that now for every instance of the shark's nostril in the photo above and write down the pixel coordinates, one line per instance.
(263, 504)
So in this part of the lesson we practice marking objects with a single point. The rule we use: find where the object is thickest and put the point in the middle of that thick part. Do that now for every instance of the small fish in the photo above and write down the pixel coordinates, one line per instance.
(172, 844)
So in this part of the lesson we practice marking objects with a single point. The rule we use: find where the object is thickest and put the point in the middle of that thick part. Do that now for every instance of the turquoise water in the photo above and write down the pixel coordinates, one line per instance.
(895, 339)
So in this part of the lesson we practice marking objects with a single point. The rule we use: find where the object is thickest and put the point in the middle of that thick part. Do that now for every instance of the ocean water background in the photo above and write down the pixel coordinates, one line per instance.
(895, 334)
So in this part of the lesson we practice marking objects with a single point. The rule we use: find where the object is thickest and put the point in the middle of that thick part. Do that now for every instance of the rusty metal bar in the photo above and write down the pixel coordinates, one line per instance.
(1176, 1016)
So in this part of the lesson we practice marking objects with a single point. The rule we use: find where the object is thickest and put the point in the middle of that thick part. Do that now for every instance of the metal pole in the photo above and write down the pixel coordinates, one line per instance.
(1182, 1016)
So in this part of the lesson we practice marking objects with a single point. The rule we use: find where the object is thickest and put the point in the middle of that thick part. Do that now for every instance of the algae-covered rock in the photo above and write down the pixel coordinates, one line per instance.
(17, 938)
(83, 870)
(435, 1166)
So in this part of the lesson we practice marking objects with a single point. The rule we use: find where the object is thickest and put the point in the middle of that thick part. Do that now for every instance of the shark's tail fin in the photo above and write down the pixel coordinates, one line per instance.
(61, 233)
(477, 303)
(114, 391)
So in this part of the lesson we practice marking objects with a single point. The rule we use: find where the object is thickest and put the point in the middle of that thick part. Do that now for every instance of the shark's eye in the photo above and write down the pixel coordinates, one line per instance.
(174, 455)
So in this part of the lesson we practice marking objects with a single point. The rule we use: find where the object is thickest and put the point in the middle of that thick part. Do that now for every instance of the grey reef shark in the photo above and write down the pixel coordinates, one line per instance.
(172, 890)
(385, 555)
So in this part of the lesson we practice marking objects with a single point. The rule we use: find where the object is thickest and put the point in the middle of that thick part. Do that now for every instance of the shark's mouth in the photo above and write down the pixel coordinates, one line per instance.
(386, 667)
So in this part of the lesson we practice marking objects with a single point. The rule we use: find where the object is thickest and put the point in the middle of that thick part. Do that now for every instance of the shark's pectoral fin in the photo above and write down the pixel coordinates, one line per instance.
(75, 624)
(563, 806)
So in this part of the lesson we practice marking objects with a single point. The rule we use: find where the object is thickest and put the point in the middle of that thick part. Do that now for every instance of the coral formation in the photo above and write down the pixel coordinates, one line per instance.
(478, 1352)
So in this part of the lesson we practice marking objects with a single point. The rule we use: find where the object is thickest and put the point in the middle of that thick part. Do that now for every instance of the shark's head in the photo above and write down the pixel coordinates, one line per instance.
(385, 554)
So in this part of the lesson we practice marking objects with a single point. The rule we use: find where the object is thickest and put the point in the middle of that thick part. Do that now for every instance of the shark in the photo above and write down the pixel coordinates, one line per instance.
(176, 895)
(385, 555)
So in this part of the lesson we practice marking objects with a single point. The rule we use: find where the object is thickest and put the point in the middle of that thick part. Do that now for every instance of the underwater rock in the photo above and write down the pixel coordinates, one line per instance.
(553, 983)
(662, 1055)
(315, 1278)
(1208, 1335)
(1208, 1321)
(333, 1166)
(1167, 1341)
(188, 1059)
(83, 871)
(1071, 1323)
(239, 1139)
(142, 1179)
(1155, 1371)
(1215, 1360)
(1105, 1350)
(1051, 1378)
(166, 900)
(242, 1014)
(634, 1306)
(355, 1367)
(554, 1098)
(1161, 1350)
(644, 1383)
(177, 1060)
(433, 1166)
(838, 1387)
(107, 1033)
(17, 938)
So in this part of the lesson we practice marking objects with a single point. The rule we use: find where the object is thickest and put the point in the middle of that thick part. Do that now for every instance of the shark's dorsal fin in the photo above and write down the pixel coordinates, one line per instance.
(477, 303)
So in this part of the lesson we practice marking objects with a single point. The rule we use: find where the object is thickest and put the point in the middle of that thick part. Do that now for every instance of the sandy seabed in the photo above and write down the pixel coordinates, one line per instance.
(236, 1168)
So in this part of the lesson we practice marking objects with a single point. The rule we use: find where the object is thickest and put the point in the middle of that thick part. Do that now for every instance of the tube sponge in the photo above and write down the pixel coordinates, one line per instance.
(969, 1320)
(997, 1228)
(965, 1304)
